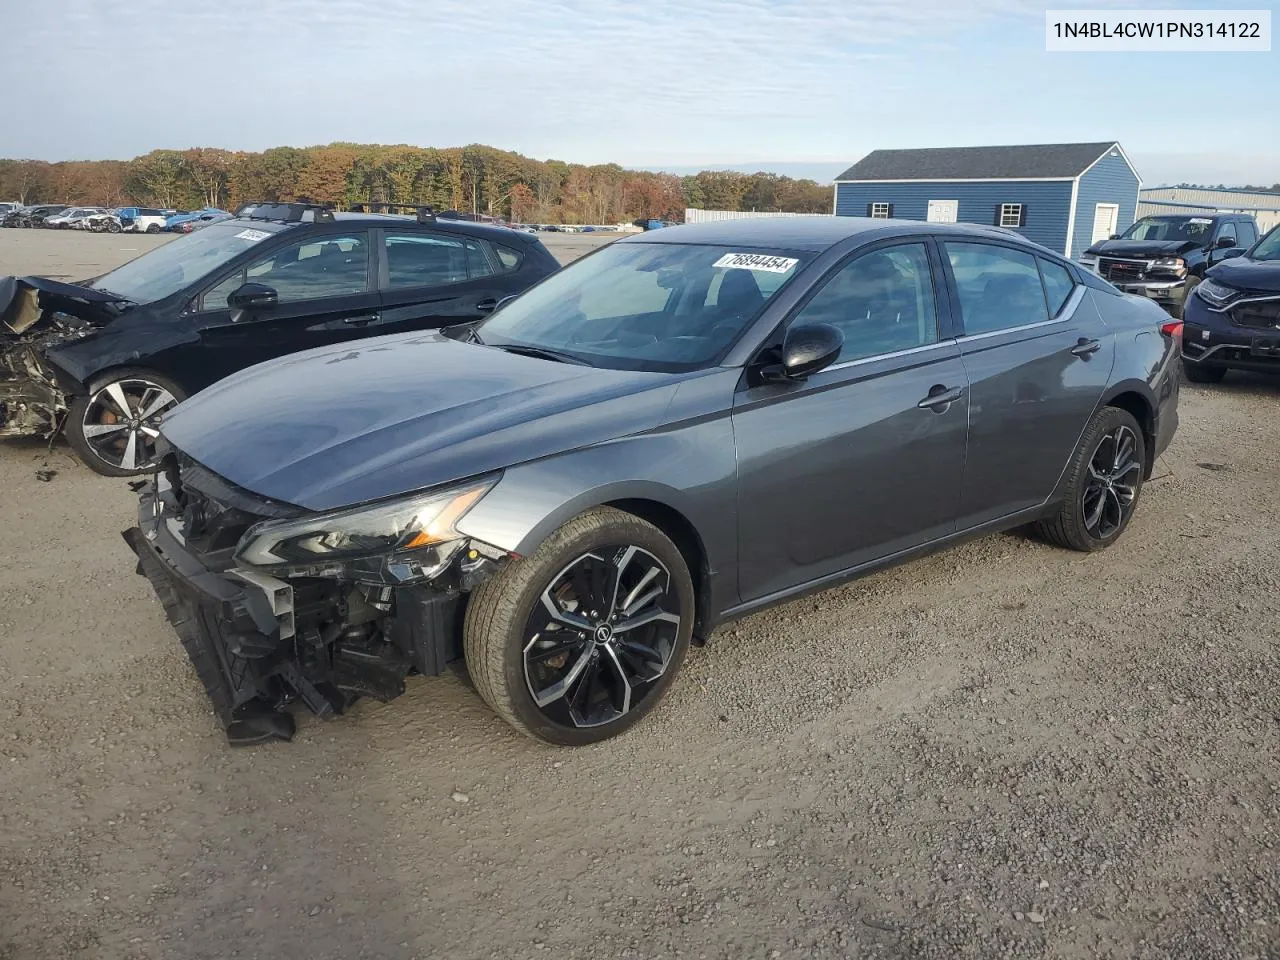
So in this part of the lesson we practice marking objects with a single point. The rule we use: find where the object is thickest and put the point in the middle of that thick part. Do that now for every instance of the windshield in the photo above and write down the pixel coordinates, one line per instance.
(1268, 248)
(1170, 228)
(645, 306)
(168, 269)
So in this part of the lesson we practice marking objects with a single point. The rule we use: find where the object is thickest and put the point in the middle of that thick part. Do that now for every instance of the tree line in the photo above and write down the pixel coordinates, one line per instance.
(477, 179)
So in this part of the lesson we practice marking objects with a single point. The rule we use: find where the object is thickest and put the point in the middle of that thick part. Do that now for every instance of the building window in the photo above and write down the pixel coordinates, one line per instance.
(1010, 214)
(881, 211)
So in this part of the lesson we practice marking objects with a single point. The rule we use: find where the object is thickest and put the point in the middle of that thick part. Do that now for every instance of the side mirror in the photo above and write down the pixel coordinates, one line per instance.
(252, 296)
(1225, 243)
(806, 349)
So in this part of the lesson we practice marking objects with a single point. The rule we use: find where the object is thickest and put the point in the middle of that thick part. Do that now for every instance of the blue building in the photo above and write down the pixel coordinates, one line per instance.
(1065, 196)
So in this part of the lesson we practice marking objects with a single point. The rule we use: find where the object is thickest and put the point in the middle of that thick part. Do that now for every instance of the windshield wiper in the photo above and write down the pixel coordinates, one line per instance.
(542, 353)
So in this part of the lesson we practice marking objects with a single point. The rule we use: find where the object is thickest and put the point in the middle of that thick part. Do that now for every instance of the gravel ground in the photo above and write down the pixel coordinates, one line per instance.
(1003, 750)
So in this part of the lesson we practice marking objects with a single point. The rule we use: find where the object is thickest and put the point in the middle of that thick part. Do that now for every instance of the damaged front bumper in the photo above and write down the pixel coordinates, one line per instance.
(259, 643)
(37, 314)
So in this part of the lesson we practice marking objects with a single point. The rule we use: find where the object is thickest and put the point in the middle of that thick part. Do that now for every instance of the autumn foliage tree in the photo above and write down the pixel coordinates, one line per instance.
(474, 178)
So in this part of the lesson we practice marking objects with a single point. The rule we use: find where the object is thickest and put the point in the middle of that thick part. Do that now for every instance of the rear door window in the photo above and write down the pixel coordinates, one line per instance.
(998, 287)
(1058, 285)
(423, 259)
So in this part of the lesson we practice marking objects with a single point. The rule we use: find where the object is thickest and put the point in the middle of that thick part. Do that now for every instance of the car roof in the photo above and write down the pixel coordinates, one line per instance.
(440, 224)
(813, 232)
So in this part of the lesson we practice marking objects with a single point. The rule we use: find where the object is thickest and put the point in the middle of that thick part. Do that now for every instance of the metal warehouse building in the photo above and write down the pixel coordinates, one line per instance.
(1065, 196)
(1265, 207)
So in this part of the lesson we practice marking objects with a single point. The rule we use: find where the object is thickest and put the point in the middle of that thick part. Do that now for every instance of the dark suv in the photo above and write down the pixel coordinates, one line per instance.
(1164, 257)
(1234, 318)
(109, 357)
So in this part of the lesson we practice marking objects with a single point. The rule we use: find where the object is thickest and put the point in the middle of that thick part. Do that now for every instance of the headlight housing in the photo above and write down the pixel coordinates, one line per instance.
(1175, 265)
(1216, 294)
(399, 541)
(1089, 261)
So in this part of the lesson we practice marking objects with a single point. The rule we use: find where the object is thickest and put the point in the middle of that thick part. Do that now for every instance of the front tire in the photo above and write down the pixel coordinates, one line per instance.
(1199, 373)
(1103, 486)
(578, 642)
(115, 427)
(1186, 297)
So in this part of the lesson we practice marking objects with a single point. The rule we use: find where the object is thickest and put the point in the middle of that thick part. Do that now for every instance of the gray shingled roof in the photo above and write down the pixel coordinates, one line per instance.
(978, 163)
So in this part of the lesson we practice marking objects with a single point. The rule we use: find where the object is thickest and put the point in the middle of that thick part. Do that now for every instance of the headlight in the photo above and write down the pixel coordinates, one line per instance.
(1216, 294)
(1175, 265)
(408, 539)
(1089, 262)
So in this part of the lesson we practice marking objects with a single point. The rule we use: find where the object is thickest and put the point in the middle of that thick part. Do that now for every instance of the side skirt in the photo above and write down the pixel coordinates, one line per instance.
(892, 560)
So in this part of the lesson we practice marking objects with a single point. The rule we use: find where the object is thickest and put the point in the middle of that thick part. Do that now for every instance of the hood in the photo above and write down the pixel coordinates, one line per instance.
(338, 426)
(1142, 249)
(1245, 274)
(23, 301)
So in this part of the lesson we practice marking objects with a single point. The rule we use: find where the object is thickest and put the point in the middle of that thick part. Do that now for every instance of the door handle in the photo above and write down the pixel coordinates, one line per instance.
(362, 319)
(487, 305)
(940, 398)
(1086, 348)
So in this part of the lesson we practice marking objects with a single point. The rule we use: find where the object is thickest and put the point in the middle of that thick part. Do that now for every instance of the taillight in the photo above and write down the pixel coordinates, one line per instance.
(1172, 329)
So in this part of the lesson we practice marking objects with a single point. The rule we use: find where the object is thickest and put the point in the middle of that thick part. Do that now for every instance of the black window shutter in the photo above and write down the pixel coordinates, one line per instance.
(891, 211)
(996, 221)
(1022, 216)
(868, 209)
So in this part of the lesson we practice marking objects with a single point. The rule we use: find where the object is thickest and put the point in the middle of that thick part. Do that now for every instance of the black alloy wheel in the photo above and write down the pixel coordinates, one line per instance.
(1103, 484)
(578, 641)
(601, 636)
(1111, 491)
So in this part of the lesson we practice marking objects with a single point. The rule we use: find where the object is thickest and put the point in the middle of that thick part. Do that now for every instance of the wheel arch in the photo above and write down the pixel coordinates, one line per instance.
(496, 520)
(1135, 398)
(680, 531)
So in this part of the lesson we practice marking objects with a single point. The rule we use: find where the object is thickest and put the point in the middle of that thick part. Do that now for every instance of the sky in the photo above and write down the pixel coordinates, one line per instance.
(788, 85)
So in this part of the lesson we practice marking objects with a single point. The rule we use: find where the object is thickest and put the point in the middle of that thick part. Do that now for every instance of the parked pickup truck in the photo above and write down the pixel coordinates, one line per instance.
(1165, 257)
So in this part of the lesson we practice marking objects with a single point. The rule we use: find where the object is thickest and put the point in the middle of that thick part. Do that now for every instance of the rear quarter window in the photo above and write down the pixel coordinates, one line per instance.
(508, 258)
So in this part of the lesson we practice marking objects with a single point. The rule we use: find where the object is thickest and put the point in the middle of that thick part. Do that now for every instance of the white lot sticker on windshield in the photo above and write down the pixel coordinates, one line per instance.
(756, 261)
(252, 235)
(1199, 220)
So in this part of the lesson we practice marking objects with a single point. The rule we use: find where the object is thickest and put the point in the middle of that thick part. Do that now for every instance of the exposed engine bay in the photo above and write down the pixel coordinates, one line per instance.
(258, 642)
(35, 316)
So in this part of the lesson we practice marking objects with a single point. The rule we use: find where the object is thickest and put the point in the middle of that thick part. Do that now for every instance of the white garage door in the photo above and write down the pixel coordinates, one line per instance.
(943, 211)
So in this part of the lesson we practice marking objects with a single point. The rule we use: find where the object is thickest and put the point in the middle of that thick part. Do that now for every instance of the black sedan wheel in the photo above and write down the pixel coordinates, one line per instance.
(115, 428)
(1104, 482)
(577, 642)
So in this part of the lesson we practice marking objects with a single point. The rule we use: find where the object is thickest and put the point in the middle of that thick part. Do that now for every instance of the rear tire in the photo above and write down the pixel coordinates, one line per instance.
(539, 636)
(113, 429)
(153, 228)
(1199, 373)
(1103, 486)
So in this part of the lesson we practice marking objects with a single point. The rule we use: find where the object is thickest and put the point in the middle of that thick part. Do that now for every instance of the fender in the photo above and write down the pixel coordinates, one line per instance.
(534, 499)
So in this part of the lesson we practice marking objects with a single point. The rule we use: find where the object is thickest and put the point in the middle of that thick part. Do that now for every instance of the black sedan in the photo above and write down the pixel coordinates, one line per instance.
(110, 357)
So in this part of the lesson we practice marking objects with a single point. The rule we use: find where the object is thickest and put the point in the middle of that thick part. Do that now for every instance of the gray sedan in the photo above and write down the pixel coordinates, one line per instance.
(683, 427)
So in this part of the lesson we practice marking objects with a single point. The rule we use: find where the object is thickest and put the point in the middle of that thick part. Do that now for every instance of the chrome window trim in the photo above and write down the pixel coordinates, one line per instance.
(924, 347)
(1068, 308)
